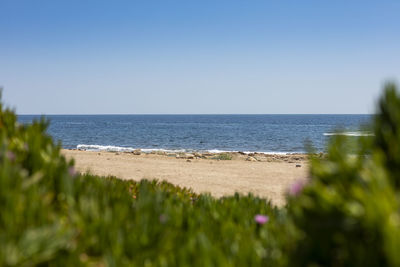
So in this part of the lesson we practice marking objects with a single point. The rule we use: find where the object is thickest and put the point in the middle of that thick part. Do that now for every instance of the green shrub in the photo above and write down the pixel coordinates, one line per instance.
(223, 156)
(50, 215)
(348, 213)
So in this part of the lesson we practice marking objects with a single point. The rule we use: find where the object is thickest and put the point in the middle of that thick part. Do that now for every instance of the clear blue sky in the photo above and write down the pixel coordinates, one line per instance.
(91, 57)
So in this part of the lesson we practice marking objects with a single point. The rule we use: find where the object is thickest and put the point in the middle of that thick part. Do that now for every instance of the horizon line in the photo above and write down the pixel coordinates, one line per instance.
(181, 114)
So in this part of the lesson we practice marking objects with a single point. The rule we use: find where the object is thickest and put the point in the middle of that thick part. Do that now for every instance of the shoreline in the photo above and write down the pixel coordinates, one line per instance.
(111, 148)
(210, 154)
(220, 174)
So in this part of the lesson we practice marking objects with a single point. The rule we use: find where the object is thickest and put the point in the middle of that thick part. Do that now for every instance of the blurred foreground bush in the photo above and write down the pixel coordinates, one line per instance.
(348, 214)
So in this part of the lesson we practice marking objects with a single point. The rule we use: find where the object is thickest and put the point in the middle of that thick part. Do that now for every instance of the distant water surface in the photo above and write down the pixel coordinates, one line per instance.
(261, 133)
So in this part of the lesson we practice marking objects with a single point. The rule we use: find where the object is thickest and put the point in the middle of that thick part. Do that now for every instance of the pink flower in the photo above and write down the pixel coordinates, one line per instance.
(10, 155)
(296, 188)
(261, 219)
(72, 171)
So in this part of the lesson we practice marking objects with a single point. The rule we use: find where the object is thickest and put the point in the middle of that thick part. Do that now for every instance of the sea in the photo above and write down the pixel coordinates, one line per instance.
(274, 134)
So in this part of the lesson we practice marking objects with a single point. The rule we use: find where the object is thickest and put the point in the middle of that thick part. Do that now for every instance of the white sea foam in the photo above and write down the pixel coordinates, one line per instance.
(104, 148)
(150, 150)
(217, 151)
(359, 133)
(125, 149)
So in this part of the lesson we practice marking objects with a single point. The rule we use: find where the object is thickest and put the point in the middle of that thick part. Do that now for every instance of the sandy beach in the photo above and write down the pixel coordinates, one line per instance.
(267, 176)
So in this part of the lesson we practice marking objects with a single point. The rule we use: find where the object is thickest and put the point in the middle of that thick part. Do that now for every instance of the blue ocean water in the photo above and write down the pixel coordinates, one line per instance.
(261, 133)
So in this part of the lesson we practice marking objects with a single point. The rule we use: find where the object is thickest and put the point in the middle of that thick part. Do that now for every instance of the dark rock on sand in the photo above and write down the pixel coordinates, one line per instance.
(137, 152)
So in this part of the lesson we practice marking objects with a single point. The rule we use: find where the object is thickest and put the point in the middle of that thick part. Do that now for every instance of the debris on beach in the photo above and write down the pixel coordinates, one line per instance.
(251, 159)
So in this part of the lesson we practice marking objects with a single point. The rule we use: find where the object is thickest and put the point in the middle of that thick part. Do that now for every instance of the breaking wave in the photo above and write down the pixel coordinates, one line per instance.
(357, 133)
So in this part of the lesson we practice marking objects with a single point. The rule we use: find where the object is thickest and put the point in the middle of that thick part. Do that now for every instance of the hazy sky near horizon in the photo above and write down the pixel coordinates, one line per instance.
(218, 57)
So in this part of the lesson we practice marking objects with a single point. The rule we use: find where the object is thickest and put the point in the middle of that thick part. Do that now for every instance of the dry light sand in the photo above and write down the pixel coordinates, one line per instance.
(267, 176)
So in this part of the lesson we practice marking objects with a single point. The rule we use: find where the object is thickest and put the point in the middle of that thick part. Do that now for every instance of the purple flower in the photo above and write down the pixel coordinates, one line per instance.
(10, 155)
(296, 188)
(72, 171)
(261, 219)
